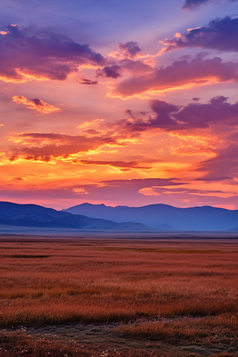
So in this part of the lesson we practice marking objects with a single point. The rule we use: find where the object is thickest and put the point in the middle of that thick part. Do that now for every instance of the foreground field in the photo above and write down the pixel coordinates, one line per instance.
(105, 297)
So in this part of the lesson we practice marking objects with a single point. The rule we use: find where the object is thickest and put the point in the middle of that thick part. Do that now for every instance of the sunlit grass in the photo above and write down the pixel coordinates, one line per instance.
(65, 281)
(177, 293)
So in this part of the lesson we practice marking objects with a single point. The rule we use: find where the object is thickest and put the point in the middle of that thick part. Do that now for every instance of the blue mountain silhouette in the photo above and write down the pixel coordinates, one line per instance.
(165, 217)
(30, 215)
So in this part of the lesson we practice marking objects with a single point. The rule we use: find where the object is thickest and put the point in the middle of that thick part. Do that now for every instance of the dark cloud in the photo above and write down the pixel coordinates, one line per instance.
(218, 110)
(195, 115)
(109, 72)
(128, 63)
(195, 99)
(17, 179)
(128, 111)
(141, 183)
(182, 190)
(220, 34)
(164, 113)
(47, 146)
(190, 4)
(37, 102)
(129, 49)
(27, 51)
(193, 3)
(129, 165)
(180, 73)
(86, 81)
(212, 179)
(133, 67)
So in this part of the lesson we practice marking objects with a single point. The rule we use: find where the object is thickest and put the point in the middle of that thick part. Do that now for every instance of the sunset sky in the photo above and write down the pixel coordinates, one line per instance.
(128, 102)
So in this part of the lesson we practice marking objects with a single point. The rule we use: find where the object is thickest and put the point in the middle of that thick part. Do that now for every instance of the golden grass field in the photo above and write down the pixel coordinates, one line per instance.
(146, 297)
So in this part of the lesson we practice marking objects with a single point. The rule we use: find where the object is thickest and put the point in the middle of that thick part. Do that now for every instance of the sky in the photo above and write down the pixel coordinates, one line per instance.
(119, 102)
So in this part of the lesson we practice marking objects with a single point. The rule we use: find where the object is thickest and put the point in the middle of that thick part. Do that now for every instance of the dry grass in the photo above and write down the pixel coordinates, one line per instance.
(52, 281)
(81, 282)
(18, 344)
(221, 328)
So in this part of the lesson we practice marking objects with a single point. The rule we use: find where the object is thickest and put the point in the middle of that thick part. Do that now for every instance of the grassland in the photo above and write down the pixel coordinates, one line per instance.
(148, 297)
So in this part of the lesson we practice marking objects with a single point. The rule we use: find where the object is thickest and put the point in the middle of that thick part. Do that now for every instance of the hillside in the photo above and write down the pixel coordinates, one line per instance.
(29, 215)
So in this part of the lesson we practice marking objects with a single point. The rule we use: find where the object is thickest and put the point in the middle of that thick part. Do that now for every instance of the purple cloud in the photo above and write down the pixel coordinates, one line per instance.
(172, 117)
(164, 113)
(37, 102)
(224, 163)
(109, 72)
(218, 110)
(179, 73)
(220, 34)
(38, 53)
(133, 67)
(85, 81)
(129, 49)
(190, 4)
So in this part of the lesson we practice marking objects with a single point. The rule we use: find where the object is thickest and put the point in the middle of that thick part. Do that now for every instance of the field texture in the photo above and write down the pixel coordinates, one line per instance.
(110, 297)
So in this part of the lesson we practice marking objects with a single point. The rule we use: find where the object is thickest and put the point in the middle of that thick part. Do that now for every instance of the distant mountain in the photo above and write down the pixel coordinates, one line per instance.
(29, 215)
(164, 217)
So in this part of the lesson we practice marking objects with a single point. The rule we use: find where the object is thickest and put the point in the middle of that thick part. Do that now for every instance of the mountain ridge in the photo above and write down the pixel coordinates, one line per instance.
(199, 218)
(31, 215)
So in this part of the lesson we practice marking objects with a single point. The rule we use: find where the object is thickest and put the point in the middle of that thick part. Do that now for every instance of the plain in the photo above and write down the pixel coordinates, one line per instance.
(133, 297)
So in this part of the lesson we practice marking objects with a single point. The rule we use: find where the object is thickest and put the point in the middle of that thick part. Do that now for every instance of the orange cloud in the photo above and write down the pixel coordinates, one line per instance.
(90, 124)
(148, 191)
(80, 191)
(48, 147)
(35, 104)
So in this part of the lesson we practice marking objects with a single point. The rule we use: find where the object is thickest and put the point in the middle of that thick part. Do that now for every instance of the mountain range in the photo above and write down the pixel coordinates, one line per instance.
(164, 217)
(30, 215)
(87, 216)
